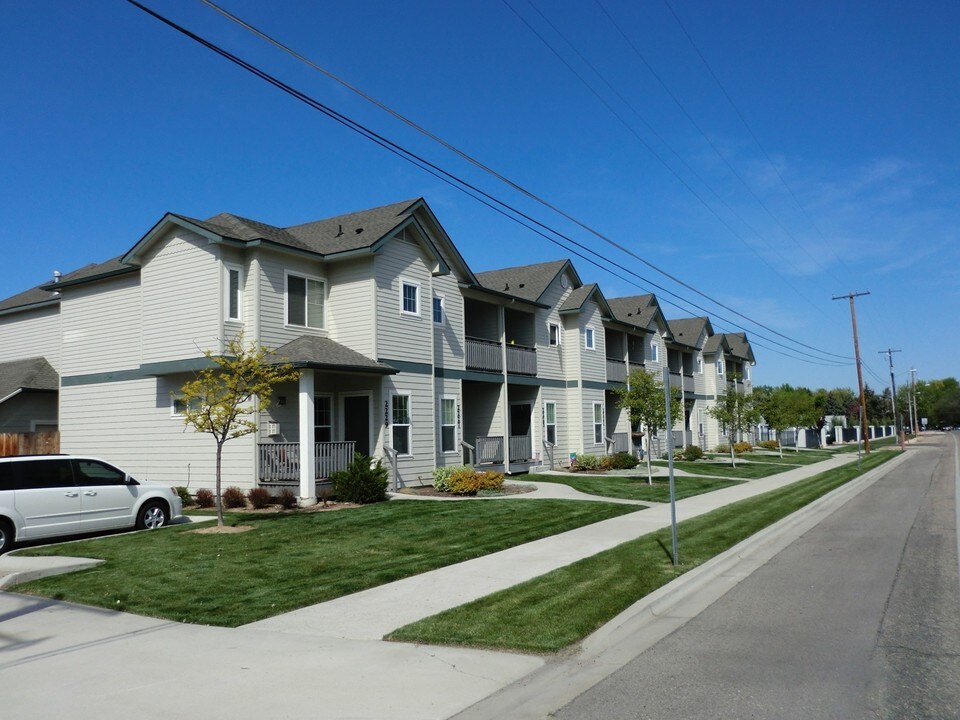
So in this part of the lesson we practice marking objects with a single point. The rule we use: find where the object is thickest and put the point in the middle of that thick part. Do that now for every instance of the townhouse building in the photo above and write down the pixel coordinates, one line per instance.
(404, 352)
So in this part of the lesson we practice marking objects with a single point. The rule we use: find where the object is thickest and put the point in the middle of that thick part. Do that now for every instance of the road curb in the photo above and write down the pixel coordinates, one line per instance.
(15, 570)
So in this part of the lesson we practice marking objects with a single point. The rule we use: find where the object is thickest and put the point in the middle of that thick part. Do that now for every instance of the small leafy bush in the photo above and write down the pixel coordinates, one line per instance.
(184, 494)
(470, 482)
(742, 447)
(586, 461)
(619, 461)
(287, 499)
(233, 498)
(204, 498)
(723, 449)
(692, 453)
(361, 482)
(769, 444)
(260, 498)
(441, 476)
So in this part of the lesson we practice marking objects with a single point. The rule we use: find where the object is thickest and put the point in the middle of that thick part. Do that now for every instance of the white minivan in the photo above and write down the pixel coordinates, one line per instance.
(45, 496)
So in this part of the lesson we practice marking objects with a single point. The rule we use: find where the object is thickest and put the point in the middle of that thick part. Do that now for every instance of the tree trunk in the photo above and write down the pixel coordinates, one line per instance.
(733, 458)
(219, 498)
(649, 468)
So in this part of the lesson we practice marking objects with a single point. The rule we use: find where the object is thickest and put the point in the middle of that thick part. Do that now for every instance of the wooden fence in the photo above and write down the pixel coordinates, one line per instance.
(38, 443)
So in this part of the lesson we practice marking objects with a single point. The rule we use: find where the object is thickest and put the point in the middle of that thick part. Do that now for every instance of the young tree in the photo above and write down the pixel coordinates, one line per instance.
(735, 411)
(644, 399)
(774, 404)
(216, 400)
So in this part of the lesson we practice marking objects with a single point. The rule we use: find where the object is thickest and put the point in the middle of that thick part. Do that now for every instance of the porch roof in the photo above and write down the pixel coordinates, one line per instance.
(23, 375)
(321, 353)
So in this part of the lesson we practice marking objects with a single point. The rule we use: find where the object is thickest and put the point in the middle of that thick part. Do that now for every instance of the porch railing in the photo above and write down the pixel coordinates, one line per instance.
(483, 355)
(621, 442)
(280, 462)
(521, 448)
(521, 360)
(490, 450)
(616, 370)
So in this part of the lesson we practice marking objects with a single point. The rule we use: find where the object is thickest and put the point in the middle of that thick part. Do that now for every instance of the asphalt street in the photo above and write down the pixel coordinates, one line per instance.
(858, 618)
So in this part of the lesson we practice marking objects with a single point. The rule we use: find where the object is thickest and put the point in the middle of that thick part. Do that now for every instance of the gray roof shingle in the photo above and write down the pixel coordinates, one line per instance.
(687, 331)
(30, 374)
(310, 351)
(637, 310)
(527, 282)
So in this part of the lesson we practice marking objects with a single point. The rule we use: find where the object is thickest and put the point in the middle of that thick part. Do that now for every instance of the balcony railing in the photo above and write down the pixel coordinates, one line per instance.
(483, 355)
(490, 450)
(521, 360)
(616, 370)
(621, 442)
(280, 462)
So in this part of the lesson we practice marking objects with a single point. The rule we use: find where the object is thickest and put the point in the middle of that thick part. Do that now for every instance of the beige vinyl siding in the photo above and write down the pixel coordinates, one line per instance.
(593, 363)
(448, 337)
(403, 336)
(31, 333)
(20, 413)
(587, 398)
(351, 305)
(446, 388)
(482, 411)
(553, 362)
(561, 453)
(235, 258)
(274, 267)
(417, 468)
(181, 287)
(131, 424)
(101, 326)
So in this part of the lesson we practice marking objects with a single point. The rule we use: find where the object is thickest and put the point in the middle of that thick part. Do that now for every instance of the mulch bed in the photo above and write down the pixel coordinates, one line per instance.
(430, 491)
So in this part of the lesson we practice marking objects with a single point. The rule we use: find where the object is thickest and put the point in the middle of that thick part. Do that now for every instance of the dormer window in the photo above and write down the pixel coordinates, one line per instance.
(589, 339)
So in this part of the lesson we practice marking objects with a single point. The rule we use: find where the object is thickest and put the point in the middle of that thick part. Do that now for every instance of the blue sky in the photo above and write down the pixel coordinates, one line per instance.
(835, 169)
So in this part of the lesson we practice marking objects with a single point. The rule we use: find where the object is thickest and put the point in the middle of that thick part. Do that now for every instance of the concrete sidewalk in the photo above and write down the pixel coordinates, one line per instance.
(327, 661)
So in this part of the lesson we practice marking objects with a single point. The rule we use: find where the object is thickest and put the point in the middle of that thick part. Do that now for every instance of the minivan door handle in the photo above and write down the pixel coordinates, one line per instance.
(90, 493)
(72, 493)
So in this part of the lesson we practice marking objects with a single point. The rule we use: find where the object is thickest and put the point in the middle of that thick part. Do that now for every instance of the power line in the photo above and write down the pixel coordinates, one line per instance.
(400, 151)
(473, 161)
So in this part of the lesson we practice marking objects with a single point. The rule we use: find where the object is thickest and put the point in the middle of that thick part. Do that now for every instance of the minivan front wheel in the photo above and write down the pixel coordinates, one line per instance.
(152, 516)
(6, 536)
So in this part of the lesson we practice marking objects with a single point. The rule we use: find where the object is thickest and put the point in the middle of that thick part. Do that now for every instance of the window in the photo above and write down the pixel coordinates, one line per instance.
(448, 425)
(654, 351)
(699, 420)
(699, 367)
(400, 424)
(597, 423)
(719, 368)
(305, 300)
(322, 418)
(233, 303)
(589, 341)
(438, 309)
(746, 372)
(91, 472)
(409, 298)
(550, 422)
(179, 406)
(554, 334)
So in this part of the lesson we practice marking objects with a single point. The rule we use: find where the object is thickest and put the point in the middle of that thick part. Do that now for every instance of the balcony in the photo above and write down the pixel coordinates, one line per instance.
(616, 370)
(490, 449)
(280, 462)
(487, 356)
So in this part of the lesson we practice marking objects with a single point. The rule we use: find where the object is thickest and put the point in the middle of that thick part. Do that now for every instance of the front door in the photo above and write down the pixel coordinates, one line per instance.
(521, 447)
(356, 421)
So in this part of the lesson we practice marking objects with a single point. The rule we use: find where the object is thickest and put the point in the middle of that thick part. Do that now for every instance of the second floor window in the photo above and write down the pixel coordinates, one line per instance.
(699, 368)
(305, 300)
(438, 309)
(654, 352)
(719, 369)
(554, 334)
(409, 298)
(233, 288)
(589, 341)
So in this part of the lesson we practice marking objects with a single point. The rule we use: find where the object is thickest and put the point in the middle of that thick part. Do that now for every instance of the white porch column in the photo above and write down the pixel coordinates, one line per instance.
(308, 460)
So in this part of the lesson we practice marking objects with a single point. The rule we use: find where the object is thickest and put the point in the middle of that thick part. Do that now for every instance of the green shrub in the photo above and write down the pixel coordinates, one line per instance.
(260, 498)
(233, 498)
(586, 461)
(742, 447)
(692, 453)
(287, 498)
(361, 482)
(470, 482)
(441, 476)
(184, 494)
(619, 461)
(769, 444)
(204, 498)
(723, 449)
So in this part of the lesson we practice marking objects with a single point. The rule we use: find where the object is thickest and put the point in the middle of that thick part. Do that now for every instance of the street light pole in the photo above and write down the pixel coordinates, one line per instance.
(913, 401)
(856, 350)
(897, 426)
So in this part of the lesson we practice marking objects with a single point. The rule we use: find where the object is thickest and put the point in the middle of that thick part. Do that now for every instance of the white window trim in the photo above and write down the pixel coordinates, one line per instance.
(333, 419)
(286, 300)
(228, 268)
(404, 282)
(555, 423)
(654, 352)
(589, 338)
(173, 407)
(720, 368)
(559, 328)
(456, 424)
(699, 367)
(594, 423)
(443, 309)
(409, 425)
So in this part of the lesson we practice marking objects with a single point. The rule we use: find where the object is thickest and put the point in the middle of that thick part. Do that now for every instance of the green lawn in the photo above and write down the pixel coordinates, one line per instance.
(289, 561)
(560, 608)
(743, 471)
(635, 488)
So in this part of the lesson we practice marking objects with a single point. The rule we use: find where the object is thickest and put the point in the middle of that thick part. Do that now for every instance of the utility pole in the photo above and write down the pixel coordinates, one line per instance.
(856, 350)
(913, 401)
(897, 426)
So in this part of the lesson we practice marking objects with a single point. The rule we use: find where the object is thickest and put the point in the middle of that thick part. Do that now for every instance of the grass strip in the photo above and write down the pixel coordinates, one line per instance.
(561, 608)
(635, 487)
(289, 561)
(743, 471)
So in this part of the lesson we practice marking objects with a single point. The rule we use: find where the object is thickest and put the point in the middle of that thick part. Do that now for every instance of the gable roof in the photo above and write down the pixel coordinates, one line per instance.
(310, 351)
(740, 346)
(640, 311)
(527, 282)
(687, 331)
(579, 297)
(33, 373)
(716, 343)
